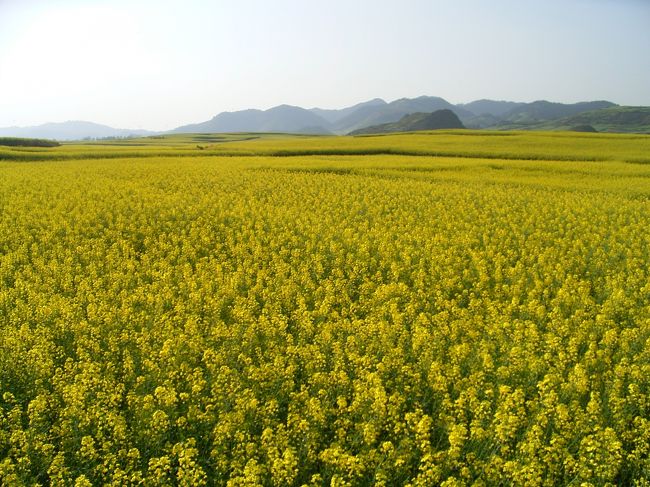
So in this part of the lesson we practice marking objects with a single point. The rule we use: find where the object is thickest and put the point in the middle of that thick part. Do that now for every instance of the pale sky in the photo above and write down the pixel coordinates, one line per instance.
(158, 64)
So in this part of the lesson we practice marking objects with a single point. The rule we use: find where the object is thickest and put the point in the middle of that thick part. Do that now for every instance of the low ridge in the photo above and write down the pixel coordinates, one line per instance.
(440, 119)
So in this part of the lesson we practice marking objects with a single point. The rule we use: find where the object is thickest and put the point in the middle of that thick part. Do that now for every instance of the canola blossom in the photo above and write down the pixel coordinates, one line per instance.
(279, 313)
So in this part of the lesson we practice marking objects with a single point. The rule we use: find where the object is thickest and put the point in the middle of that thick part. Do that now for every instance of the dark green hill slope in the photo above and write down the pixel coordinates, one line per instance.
(440, 119)
(22, 142)
(614, 119)
(545, 110)
(394, 111)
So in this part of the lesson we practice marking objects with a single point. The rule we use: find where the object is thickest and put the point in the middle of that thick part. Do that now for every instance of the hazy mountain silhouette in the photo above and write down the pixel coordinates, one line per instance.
(394, 111)
(71, 130)
(546, 110)
(477, 114)
(613, 119)
(287, 118)
(495, 114)
(440, 119)
(333, 116)
(491, 107)
(283, 118)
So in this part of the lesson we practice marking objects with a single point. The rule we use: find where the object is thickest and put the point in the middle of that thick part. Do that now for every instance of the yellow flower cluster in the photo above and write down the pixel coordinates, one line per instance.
(324, 320)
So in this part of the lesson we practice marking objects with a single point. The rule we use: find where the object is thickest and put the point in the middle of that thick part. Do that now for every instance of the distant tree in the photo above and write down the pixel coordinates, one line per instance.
(21, 142)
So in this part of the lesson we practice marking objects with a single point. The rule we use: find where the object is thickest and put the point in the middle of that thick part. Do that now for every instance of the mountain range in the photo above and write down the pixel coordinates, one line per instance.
(491, 114)
(71, 130)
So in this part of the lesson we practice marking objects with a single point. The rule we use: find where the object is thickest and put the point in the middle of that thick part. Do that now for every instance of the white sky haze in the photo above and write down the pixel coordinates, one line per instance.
(160, 64)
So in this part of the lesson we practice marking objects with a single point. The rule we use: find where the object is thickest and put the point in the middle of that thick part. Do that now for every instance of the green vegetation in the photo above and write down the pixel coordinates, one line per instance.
(21, 142)
(440, 119)
(614, 119)
(445, 308)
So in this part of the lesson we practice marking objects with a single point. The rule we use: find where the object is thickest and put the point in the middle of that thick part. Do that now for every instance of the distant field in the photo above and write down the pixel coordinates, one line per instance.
(444, 308)
(562, 146)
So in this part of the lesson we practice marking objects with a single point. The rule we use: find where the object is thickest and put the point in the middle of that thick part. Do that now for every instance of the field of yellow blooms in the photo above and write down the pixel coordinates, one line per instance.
(453, 308)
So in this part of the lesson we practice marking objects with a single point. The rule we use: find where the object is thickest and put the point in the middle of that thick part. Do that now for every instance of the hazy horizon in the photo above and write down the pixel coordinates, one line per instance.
(153, 65)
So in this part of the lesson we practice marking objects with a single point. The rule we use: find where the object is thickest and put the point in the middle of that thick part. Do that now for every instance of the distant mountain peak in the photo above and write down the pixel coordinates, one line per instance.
(284, 106)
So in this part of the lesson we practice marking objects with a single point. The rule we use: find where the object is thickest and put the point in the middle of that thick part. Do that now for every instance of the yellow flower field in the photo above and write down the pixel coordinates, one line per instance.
(451, 308)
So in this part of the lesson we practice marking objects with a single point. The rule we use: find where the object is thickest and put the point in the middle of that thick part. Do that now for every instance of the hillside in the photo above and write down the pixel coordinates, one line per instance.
(613, 119)
(283, 118)
(545, 110)
(491, 107)
(440, 119)
(334, 115)
(394, 111)
(498, 114)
